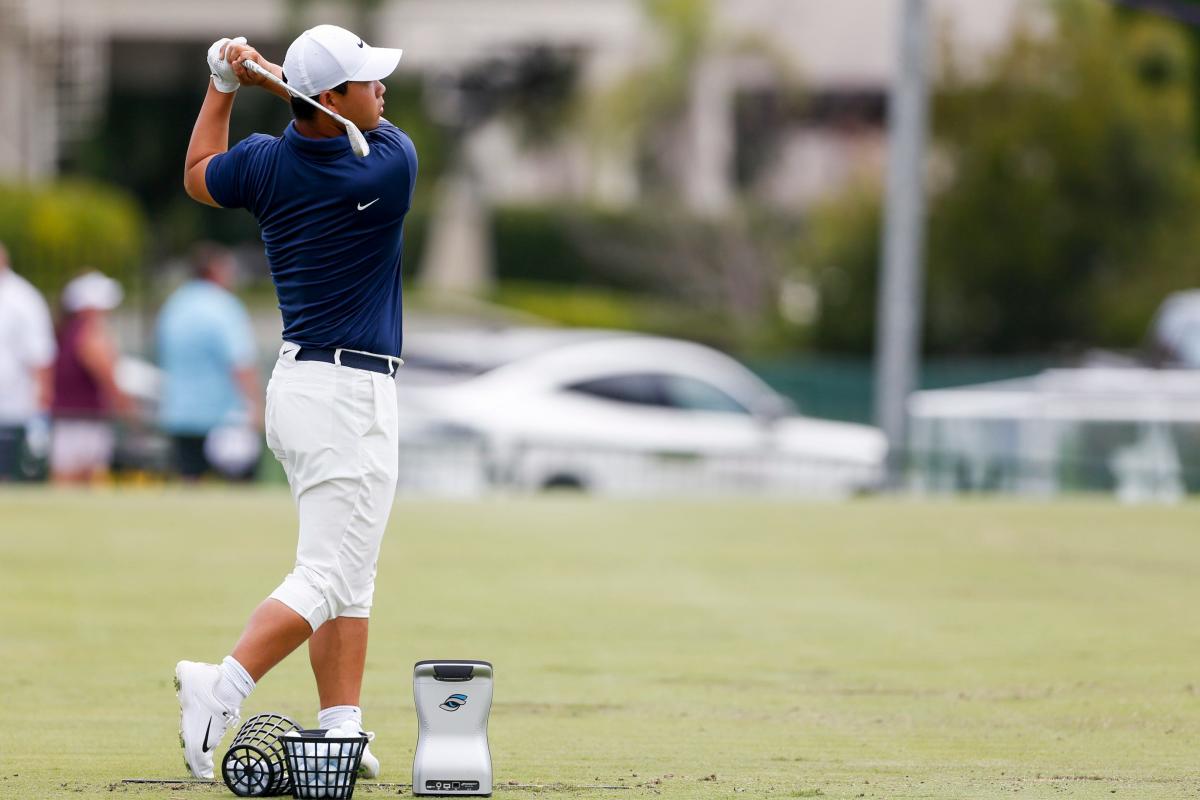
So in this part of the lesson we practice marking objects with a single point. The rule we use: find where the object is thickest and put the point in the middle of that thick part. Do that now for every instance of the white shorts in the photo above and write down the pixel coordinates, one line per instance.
(335, 431)
(81, 445)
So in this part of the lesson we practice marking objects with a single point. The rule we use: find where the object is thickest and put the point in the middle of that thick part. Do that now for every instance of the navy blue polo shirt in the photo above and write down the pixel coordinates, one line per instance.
(333, 227)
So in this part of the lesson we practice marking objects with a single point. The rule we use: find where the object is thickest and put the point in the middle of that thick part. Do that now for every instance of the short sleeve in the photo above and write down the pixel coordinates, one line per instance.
(238, 177)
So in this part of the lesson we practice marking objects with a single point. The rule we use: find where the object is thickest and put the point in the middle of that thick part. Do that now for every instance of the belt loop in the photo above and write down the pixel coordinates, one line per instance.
(337, 356)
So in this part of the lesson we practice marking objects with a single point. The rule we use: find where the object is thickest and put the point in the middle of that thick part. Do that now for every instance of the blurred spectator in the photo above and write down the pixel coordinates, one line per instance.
(86, 396)
(211, 404)
(26, 373)
(1175, 331)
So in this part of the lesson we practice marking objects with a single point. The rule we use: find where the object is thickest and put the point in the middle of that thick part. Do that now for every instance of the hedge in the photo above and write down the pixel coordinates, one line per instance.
(53, 231)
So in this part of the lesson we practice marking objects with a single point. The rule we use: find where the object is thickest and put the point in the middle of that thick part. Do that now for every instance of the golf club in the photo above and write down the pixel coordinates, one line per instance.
(358, 142)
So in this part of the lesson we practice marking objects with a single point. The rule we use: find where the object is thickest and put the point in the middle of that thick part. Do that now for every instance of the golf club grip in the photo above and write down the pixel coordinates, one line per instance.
(255, 67)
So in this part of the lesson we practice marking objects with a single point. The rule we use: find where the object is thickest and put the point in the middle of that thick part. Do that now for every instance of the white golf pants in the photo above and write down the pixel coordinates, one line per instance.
(334, 429)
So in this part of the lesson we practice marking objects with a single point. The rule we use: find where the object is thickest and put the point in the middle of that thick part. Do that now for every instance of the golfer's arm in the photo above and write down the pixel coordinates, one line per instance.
(237, 54)
(275, 88)
(209, 138)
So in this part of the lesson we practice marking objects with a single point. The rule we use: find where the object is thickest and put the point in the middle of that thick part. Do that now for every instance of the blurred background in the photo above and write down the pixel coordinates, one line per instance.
(645, 248)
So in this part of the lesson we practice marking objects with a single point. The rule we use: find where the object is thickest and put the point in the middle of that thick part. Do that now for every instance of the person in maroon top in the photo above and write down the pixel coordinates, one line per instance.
(86, 395)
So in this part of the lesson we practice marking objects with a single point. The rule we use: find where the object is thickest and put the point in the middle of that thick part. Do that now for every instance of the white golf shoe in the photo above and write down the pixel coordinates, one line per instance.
(369, 767)
(203, 719)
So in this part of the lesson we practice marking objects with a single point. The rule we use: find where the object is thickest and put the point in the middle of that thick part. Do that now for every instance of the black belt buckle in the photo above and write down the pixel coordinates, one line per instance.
(378, 364)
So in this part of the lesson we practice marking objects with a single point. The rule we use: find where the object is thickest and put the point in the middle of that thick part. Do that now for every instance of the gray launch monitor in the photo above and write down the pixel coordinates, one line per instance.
(453, 699)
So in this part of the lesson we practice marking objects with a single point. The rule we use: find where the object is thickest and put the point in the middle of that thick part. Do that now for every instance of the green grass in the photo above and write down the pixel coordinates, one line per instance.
(875, 649)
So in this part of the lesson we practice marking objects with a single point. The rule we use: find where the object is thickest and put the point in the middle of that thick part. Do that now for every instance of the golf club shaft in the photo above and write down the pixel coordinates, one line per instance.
(254, 67)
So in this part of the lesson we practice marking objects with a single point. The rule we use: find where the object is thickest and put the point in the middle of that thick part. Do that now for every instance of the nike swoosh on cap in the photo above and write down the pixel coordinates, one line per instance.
(360, 43)
(361, 206)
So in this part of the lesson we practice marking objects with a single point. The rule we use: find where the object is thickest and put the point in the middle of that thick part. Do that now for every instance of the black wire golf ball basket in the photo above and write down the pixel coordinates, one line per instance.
(254, 765)
(323, 766)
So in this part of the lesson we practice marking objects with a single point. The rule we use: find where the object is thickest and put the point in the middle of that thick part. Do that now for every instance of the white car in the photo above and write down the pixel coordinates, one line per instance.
(615, 414)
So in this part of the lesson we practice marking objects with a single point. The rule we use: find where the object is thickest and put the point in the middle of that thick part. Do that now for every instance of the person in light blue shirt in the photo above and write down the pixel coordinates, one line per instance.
(207, 353)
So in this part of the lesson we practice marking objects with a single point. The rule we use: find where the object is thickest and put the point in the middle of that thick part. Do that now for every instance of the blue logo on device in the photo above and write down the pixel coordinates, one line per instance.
(454, 702)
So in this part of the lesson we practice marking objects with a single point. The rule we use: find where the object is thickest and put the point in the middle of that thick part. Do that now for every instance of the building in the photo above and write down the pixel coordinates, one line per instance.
(65, 57)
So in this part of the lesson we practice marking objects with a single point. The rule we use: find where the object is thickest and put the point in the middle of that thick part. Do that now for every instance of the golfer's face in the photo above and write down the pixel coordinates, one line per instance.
(363, 104)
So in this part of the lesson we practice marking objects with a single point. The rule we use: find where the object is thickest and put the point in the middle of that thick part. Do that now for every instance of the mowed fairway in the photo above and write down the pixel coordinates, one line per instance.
(883, 649)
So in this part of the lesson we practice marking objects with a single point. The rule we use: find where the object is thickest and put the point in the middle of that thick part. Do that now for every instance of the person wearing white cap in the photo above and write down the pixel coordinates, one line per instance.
(332, 222)
(86, 395)
(26, 379)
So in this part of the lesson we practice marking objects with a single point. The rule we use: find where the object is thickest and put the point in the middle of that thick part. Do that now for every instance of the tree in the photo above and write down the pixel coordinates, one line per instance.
(1064, 195)
(54, 231)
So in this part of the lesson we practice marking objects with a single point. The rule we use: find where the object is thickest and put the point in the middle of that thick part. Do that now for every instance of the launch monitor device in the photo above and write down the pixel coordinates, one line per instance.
(453, 699)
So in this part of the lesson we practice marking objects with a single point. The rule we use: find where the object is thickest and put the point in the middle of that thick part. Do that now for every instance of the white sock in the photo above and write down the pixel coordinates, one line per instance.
(235, 684)
(334, 716)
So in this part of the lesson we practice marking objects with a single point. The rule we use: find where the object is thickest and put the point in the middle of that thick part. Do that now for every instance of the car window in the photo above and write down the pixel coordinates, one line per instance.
(663, 391)
(698, 395)
(639, 389)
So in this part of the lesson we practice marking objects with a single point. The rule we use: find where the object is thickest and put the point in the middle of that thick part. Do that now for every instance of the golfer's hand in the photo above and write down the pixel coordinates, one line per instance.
(223, 76)
(237, 52)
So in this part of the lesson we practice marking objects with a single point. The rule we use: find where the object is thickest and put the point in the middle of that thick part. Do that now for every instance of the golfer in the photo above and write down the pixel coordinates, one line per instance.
(332, 224)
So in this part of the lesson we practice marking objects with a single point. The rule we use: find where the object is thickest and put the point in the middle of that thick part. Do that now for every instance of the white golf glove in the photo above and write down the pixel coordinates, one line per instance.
(222, 71)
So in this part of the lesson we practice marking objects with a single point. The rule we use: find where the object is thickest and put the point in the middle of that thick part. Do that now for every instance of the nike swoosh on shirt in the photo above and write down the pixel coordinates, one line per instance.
(205, 748)
(361, 206)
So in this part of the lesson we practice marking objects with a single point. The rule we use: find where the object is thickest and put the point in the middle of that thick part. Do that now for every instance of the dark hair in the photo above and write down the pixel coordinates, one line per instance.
(303, 111)
(205, 255)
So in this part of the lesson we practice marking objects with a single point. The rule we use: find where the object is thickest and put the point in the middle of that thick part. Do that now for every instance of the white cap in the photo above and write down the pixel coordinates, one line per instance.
(326, 56)
(92, 290)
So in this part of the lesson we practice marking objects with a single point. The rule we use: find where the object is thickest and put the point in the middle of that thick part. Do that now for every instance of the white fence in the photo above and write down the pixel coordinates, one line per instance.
(1132, 431)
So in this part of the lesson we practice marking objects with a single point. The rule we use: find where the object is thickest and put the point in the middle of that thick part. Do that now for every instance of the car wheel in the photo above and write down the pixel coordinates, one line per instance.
(563, 482)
